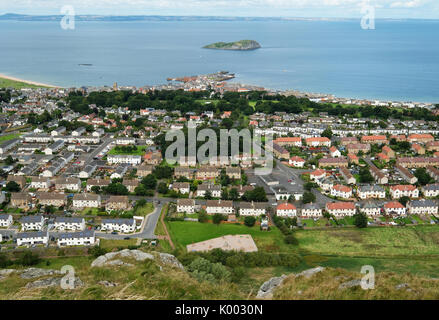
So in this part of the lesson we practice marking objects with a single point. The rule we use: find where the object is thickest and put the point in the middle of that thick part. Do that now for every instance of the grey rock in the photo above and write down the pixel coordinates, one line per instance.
(6, 272)
(350, 284)
(310, 272)
(31, 273)
(267, 288)
(99, 261)
(106, 283)
(51, 282)
(401, 286)
(140, 255)
(117, 262)
(169, 259)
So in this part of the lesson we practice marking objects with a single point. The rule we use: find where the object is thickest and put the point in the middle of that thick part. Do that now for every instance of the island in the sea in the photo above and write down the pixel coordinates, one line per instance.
(237, 45)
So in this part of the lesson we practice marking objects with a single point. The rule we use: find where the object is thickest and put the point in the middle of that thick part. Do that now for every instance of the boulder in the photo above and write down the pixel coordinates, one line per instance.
(6, 272)
(171, 260)
(140, 255)
(267, 288)
(350, 284)
(107, 259)
(402, 286)
(99, 261)
(310, 272)
(106, 283)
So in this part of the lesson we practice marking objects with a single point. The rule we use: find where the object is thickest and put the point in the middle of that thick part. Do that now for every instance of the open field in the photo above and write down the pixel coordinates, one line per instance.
(10, 82)
(184, 233)
(9, 137)
(139, 152)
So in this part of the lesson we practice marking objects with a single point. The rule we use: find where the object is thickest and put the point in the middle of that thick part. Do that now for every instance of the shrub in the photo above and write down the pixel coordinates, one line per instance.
(249, 221)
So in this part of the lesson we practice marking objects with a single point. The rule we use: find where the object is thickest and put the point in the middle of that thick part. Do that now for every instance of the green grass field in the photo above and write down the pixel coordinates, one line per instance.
(186, 232)
(139, 152)
(6, 83)
(9, 136)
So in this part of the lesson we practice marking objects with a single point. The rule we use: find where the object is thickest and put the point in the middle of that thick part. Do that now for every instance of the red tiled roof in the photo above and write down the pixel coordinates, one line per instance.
(286, 206)
(340, 206)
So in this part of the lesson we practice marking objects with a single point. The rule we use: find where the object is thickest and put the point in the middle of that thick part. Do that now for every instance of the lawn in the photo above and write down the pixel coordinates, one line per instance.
(187, 232)
(9, 136)
(111, 244)
(144, 210)
(140, 150)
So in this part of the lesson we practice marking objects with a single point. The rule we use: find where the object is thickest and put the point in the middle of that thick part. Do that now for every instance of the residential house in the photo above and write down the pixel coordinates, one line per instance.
(118, 225)
(379, 139)
(406, 174)
(394, 208)
(101, 183)
(219, 206)
(347, 176)
(20, 200)
(32, 238)
(430, 190)
(69, 223)
(215, 190)
(252, 208)
(311, 210)
(341, 191)
(86, 200)
(399, 191)
(341, 209)
(144, 170)
(131, 184)
(5, 220)
(297, 162)
(286, 209)
(371, 192)
(82, 238)
(116, 203)
(333, 162)
(370, 208)
(128, 159)
(422, 207)
(318, 142)
(29, 223)
(233, 172)
(181, 187)
(207, 173)
(186, 205)
(183, 172)
(73, 184)
(51, 199)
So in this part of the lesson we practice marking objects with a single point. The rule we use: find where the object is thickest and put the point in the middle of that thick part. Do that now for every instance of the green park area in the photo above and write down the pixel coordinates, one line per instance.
(128, 150)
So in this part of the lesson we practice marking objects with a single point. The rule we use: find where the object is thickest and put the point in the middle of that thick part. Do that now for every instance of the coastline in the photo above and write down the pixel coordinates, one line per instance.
(40, 84)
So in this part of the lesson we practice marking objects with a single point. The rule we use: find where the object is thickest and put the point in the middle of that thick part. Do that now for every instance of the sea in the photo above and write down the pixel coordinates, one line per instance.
(398, 60)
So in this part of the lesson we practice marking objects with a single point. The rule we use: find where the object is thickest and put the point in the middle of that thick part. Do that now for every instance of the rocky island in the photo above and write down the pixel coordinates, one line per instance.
(237, 45)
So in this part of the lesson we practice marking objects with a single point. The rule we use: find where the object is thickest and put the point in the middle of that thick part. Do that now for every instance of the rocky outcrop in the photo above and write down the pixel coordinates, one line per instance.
(107, 259)
(350, 284)
(52, 282)
(267, 288)
(6, 272)
(106, 283)
(31, 273)
(310, 272)
(170, 260)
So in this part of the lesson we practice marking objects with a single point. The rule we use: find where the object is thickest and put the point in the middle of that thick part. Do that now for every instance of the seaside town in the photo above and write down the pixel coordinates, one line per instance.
(72, 178)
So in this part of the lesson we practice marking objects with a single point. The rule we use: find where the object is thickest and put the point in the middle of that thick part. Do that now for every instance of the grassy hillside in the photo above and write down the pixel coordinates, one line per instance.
(388, 286)
(7, 83)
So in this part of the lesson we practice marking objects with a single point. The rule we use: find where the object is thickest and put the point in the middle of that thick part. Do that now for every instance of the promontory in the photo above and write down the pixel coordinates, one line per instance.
(237, 45)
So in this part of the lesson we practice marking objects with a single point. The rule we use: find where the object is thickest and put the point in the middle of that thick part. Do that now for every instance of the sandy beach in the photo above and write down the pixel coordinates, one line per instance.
(27, 81)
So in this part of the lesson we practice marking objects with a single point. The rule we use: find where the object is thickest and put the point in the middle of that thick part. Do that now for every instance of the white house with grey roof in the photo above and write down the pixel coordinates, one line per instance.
(423, 206)
(81, 238)
(119, 225)
(69, 223)
(252, 208)
(431, 190)
(370, 208)
(54, 147)
(312, 210)
(86, 200)
(8, 145)
(78, 132)
(5, 220)
(120, 158)
(31, 238)
(32, 223)
(371, 191)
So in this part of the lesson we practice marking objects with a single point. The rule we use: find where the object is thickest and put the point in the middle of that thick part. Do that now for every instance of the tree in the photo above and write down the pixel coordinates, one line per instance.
(202, 216)
(163, 172)
(249, 221)
(360, 220)
(208, 195)
(12, 186)
(404, 200)
(308, 197)
(96, 189)
(309, 185)
(365, 176)
(150, 181)
(9, 160)
(257, 195)
(141, 190)
(28, 258)
(327, 133)
(162, 188)
(234, 194)
(423, 177)
(217, 218)
(116, 189)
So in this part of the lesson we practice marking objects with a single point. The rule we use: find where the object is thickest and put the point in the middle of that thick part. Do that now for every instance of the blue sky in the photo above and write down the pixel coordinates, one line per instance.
(421, 9)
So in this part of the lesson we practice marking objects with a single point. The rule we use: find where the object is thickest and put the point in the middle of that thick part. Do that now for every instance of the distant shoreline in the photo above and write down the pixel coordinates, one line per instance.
(27, 81)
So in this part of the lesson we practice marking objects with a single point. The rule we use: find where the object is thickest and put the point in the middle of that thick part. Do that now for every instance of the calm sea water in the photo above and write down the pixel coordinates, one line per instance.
(398, 61)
